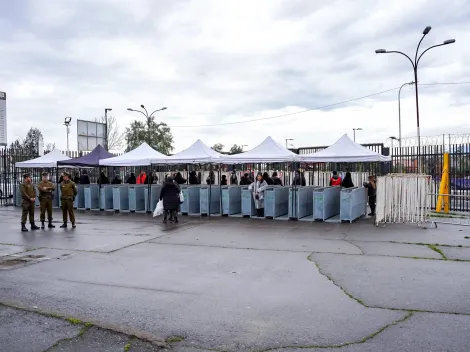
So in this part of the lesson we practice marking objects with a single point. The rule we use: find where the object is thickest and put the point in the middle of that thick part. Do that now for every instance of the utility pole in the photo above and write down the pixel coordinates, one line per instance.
(67, 122)
(106, 141)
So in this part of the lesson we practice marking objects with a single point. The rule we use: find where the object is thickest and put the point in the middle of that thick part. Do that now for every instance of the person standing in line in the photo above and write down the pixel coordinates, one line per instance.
(276, 179)
(245, 180)
(211, 179)
(335, 180)
(257, 189)
(84, 179)
(116, 180)
(28, 203)
(233, 177)
(347, 182)
(179, 179)
(170, 195)
(46, 194)
(193, 180)
(131, 180)
(223, 181)
(68, 193)
(104, 180)
(372, 194)
(299, 179)
(268, 179)
(76, 178)
(142, 178)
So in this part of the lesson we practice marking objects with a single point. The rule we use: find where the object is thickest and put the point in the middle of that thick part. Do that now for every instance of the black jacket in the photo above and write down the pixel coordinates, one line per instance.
(116, 181)
(299, 181)
(347, 183)
(193, 180)
(131, 180)
(170, 194)
(244, 181)
(84, 179)
(180, 180)
(269, 181)
(104, 180)
(277, 181)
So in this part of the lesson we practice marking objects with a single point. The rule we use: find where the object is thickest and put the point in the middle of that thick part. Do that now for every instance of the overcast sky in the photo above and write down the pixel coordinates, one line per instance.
(219, 61)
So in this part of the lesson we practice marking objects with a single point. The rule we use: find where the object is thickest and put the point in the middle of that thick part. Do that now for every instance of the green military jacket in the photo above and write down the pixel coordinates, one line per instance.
(46, 189)
(68, 190)
(27, 192)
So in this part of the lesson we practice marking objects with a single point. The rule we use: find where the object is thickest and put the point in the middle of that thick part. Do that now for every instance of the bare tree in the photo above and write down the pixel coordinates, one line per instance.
(116, 139)
(49, 148)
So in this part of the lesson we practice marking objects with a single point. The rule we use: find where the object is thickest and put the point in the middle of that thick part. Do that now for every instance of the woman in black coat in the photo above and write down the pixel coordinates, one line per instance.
(179, 179)
(193, 180)
(170, 195)
(268, 179)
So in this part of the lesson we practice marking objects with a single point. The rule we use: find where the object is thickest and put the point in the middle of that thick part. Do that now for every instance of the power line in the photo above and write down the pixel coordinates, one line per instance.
(313, 109)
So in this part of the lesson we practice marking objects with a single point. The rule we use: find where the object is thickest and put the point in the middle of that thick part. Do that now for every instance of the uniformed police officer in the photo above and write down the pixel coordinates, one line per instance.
(68, 193)
(46, 194)
(28, 203)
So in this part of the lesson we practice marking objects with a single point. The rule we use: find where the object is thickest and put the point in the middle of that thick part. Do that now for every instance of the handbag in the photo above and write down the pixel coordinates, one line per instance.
(181, 198)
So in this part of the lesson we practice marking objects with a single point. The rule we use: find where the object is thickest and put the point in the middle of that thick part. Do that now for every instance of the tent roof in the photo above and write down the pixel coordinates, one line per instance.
(46, 161)
(268, 151)
(140, 156)
(344, 150)
(197, 153)
(91, 159)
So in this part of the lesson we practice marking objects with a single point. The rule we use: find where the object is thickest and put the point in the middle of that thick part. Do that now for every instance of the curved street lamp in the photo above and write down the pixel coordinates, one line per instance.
(415, 64)
(354, 132)
(147, 116)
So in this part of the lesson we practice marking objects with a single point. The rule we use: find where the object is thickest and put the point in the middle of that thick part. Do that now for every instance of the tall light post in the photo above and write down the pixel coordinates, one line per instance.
(148, 117)
(67, 122)
(415, 63)
(394, 139)
(244, 145)
(106, 127)
(354, 132)
(287, 140)
(399, 112)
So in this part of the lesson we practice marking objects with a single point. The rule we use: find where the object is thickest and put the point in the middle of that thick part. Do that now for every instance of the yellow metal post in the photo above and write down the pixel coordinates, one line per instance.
(444, 187)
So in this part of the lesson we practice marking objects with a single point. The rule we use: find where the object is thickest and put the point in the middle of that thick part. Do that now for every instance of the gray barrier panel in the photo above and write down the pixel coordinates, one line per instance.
(209, 196)
(301, 202)
(154, 197)
(80, 199)
(248, 203)
(192, 199)
(92, 197)
(106, 198)
(55, 200)
(326, 202)
(137, 197)
(353, 203)
(121, 198)
(231, 200)
(276, 202)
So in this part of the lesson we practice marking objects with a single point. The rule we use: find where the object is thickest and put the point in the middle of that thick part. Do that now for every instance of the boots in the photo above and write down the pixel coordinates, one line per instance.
(63, 226)
(175, 216)
(50, 225)
(73, 225)
(23, 228)
(261, 211)
(34, 227)
(165, 216)
(42, 225)
(258, 212)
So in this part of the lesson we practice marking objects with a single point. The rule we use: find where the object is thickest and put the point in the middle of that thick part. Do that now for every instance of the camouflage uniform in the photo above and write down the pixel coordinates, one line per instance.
(69, 192)
(27, 192)
(46, 194)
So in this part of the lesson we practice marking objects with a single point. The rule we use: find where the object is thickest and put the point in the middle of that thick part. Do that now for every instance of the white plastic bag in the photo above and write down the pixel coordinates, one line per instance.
(181, 198)
(158, 209)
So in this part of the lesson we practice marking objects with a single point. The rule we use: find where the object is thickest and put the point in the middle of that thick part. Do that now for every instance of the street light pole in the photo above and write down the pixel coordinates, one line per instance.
(287, 140)
(354, 132)
(399, 112)
(67, 122)
(106, 140)
(415, 63)
(148, 117)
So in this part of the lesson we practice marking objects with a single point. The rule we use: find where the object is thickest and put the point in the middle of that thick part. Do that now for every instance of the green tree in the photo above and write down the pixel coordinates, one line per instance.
(236, 149)
(29, 144)
(157, 135)
(218, 147)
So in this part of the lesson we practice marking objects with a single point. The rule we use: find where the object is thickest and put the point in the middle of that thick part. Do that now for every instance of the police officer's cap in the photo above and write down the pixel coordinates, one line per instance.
(26, 175)
(45, 173)
(67, 174)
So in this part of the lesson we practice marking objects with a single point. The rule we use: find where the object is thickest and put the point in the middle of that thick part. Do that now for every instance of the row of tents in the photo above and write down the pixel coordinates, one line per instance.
(269, 151)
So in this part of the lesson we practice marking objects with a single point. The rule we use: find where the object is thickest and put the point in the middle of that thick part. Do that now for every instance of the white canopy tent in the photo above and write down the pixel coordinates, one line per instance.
(46, 161)
(268, 151)
(140, 156)
(198, 153)
(342, 151)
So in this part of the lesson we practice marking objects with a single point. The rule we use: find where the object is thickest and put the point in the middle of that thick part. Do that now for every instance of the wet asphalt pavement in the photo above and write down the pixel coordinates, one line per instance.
(126, 282)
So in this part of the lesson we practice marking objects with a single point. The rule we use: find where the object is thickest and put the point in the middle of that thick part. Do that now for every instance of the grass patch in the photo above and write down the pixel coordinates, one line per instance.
(174, 339)
(74, 321)
(437, 250)
(127, 347)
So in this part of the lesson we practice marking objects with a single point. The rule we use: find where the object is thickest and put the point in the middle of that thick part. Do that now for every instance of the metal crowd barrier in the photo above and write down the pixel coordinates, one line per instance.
(326, 202)
(80, 199)
(121, 198)
(459, 218)
(209, 200)
(231, 200)
(276, 202)
(106, 198)
(301, 203)
(192, 199)
(353, 203)
(137, 198)
(248, 203)
(154, 197)
(92, 197)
